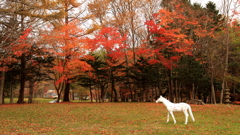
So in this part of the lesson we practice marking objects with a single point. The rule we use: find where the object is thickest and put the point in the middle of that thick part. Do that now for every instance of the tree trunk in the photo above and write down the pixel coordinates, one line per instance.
(11, 91)
(177, 91)
(98, 94)
(59, 93)
(114, 90)
(66, 92)
(159, 89)
(103, 92)
(22, 81)
(221, 93)
(213, 91)
(170, 85)
(192, 92)
(2, 77)
(147, 95)
(31, 86)
(91, 95)
(135, 96)
(59, 88)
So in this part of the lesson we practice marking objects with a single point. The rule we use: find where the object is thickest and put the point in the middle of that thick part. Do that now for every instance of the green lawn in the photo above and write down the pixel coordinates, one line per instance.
(115, 118)
(39, 100)
(35, 100)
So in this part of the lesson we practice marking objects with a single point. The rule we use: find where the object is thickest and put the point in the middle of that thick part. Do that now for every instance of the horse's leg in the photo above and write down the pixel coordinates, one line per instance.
(191, 114)
(167, 117)
(186, 116)
(172, 116)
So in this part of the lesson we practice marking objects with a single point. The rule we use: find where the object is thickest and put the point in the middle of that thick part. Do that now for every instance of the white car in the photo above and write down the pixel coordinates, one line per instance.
(54, 101)
(54, 96)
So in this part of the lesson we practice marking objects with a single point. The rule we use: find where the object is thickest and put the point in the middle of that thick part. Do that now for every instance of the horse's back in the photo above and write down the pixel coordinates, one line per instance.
(184, 105)
(175, 107)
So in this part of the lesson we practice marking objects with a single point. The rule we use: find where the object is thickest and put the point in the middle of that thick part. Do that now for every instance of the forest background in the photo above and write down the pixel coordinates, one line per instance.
(121, 50)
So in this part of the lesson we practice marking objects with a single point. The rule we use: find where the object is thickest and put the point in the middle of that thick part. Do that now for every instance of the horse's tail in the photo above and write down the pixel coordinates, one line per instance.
(190, 112)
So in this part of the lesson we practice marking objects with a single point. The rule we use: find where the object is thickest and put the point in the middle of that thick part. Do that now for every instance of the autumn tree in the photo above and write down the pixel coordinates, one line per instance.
(113, 43)
(230, 12)
(203, 27)
(67, 50)
(68, 6)
(233, 67)
(168, 38)
(32, 63)
(97, 78)
(191, 78)
(20, 15)
(206, 36)
(21, 49)
(147, 77)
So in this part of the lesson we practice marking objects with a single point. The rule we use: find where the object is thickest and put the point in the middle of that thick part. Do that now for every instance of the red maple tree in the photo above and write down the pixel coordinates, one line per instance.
(111, 41)
(168, 33)
(20, 49)
(68, 45)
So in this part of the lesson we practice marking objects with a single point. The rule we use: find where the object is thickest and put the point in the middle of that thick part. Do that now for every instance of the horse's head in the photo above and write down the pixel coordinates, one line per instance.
(160, 99)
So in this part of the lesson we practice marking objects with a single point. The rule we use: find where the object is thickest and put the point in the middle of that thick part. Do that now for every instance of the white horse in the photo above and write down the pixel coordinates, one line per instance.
(172, 107)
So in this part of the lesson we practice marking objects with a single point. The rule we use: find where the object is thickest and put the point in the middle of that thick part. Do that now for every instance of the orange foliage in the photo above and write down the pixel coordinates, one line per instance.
(168, 33)
(17, 48)
(22, 46)
(113, 43)
(110, 39)
(69, 46)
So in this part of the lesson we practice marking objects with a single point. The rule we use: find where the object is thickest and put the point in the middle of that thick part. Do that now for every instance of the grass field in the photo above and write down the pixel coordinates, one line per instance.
(115, 118)
(39, 100)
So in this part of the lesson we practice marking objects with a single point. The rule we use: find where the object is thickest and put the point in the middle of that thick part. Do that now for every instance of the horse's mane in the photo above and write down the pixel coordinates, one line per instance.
(166, 100)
